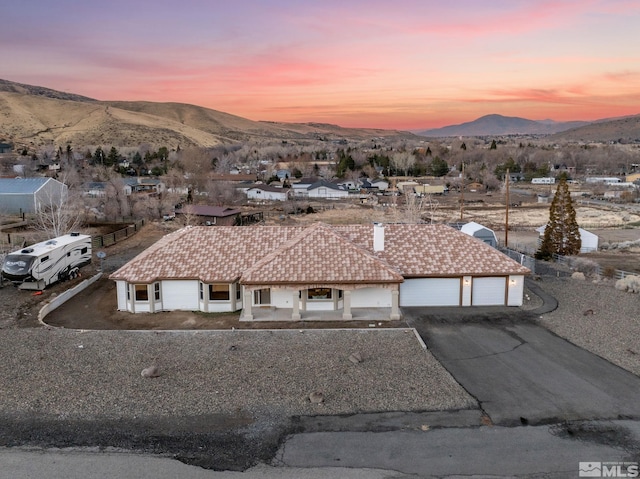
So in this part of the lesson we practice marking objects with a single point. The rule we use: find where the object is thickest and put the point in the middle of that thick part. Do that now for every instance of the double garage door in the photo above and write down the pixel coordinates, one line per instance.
(485, 291)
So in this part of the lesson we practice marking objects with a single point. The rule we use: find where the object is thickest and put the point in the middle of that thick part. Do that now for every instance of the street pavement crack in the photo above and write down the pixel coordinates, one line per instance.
(487, 355)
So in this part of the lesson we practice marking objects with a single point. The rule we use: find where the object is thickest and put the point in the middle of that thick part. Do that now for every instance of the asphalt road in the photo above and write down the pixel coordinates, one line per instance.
(521, 373)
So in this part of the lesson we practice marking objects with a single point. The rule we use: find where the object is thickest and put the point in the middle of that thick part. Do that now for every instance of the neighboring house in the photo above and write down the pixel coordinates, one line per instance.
(422, 190)
(474, 186)
(98, 189)
(317, 268)
(5, 148)
(346, 184)
(301, 187)
(632, 178)
(327, 190)
(382, 185)
(211, 215)
(283, 175)
(588, 240)
(29, 195)
(480, 232)
(267, 193)
(145, 185)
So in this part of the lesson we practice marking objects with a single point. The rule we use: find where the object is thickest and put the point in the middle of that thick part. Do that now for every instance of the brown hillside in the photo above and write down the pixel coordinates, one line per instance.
(35, 116)
(626, 130)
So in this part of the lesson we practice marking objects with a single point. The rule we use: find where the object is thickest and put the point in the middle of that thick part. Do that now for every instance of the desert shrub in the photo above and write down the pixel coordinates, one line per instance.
(586, 266)
(609, 272)
(605, 246)
(629, 283)
(578, 275)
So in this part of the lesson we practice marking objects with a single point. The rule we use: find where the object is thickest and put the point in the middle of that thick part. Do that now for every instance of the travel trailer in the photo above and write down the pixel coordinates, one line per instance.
(37, 266)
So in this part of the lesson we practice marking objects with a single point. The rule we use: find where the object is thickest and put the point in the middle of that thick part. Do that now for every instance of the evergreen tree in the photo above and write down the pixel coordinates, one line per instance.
(561, 235)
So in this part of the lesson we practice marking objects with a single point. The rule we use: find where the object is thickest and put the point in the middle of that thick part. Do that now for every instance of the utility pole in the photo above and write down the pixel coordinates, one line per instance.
(462, 194)
(506, 221)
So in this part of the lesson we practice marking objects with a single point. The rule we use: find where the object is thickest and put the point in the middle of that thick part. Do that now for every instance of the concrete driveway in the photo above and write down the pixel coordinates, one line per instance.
(521, 373)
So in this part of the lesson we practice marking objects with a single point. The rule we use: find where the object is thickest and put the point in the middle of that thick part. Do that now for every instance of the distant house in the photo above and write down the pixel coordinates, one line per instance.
(422, 190)
(327, 190)
(382, 185)
(211, 215)
(301, 187)
(29, 195)
(268, 193)
(145, 185)
(5, 148)
(474, 186)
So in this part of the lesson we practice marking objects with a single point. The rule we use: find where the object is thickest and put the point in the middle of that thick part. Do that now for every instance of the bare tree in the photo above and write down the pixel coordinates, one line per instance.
(402, 161)
(415, 208)
(60, 212)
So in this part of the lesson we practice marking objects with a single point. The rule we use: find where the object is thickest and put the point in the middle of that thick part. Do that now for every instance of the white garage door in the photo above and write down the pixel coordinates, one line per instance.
(430, 292)
(488, 291)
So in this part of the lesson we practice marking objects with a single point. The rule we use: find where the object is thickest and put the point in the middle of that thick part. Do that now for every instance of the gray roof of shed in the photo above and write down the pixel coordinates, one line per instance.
(21, 186)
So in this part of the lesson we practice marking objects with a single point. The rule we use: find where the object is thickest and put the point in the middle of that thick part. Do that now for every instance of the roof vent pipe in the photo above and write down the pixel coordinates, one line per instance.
(378, 237)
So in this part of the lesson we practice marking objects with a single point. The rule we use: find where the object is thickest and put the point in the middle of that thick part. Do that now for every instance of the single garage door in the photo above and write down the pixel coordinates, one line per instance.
(488, 291)
(430, 292)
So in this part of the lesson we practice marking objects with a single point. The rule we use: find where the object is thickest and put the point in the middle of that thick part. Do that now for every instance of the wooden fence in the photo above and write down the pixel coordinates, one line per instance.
(574, 262)
(109, 239)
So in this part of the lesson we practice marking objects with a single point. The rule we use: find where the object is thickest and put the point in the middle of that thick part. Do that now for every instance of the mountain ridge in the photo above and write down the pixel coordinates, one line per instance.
(498, 125)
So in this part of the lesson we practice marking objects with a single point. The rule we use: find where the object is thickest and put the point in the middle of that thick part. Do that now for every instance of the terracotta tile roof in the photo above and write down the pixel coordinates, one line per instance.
(318, 253)
(434, 250)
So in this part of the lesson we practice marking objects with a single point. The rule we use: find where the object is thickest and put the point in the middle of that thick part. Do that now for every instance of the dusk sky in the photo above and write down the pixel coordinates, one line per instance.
(404, 64)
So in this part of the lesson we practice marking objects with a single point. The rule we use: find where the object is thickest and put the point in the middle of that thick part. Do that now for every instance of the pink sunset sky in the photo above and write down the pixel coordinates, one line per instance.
(403, 64)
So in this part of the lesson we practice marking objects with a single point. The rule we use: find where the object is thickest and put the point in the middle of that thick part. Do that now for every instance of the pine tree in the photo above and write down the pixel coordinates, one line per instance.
(561, 235)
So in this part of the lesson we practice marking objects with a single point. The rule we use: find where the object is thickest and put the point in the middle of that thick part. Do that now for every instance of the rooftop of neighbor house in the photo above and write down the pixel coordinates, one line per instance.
(206, 210)
(319, 252)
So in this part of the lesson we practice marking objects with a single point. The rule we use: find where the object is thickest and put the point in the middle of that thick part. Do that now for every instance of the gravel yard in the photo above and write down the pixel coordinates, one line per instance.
(598, 318)
(82, 375)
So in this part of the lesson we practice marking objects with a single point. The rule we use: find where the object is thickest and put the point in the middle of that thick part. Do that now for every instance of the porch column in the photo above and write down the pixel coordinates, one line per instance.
(132, 297)
(346, 301)
(232, 295)
(395, 305)
(247, 305)
(295, 316)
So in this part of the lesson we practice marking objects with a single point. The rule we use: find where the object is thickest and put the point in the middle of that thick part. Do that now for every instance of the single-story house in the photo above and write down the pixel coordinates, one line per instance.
(327, 190)
(481, 232)
(98, 189)
(301, 186)
(588, 240)
(211, 215)
(381, 184)
(422, 190)
(29, 195)
(315, 268)
(267, 193)
(141, 184)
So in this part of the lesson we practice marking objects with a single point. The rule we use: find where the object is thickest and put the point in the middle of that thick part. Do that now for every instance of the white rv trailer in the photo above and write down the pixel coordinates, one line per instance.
(543, 181)
(39, 265)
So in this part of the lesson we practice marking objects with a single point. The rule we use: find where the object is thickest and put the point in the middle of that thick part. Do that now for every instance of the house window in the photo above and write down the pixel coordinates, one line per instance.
(156, 291)
(44, 258)
(142, 293)
(318, 294)
(83, 250)
(340, 293)
(219, 292)
(201, 292)
(238, 292)
(262, 296)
